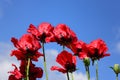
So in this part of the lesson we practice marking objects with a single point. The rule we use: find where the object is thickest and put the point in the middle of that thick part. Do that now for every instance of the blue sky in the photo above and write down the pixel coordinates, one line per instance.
(89, 19)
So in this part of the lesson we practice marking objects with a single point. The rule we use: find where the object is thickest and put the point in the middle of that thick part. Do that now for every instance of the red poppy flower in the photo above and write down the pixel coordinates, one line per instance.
(97, 49)
(12, 77)
(44, 32)
(64, 35)
(79, 49)
(27, 47)
(67, 61)
(34, 72)
(15, 75)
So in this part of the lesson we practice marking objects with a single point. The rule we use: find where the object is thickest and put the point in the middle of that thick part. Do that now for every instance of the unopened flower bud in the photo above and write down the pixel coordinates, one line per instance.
(86, 61)
(116, 68)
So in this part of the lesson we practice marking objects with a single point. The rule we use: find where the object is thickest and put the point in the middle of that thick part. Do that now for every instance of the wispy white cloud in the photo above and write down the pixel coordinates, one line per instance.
(117, 34)
(6, 60)
(9, 2)
(4, 3)
(81, 76)
(116, 43)
(1, 13)
(117, 47)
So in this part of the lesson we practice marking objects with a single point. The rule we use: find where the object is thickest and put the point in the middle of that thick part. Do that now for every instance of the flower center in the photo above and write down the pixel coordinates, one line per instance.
(70, 67)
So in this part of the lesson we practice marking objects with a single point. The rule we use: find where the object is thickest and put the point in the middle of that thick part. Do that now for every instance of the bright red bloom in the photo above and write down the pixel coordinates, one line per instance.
(34, 72)
(79, 49)
(97, 49)
(44, 32)
(27, 47)
(15, 75)
(67, 61)
(64, 35)
(12, 77)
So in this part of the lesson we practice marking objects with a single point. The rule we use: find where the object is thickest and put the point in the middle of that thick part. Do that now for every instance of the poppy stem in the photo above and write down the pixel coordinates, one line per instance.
(45, 66)
(72, 76)
(116, 76)
(68, 76)
(86, 62)
(96, 62)
(63, 47)
(87, 72)
(27, 69)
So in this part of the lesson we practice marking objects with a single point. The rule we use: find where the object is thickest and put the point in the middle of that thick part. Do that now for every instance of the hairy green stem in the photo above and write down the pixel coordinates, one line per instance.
(63, 47)
(116, 76)
(87, 72)
(72, 76)
(45, 66)
(68, 76)
(27, 69)
(96, 62)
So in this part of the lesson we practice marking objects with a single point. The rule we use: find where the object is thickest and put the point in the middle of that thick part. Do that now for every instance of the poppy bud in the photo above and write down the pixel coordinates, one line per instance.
(86, 61)
(116, 68)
